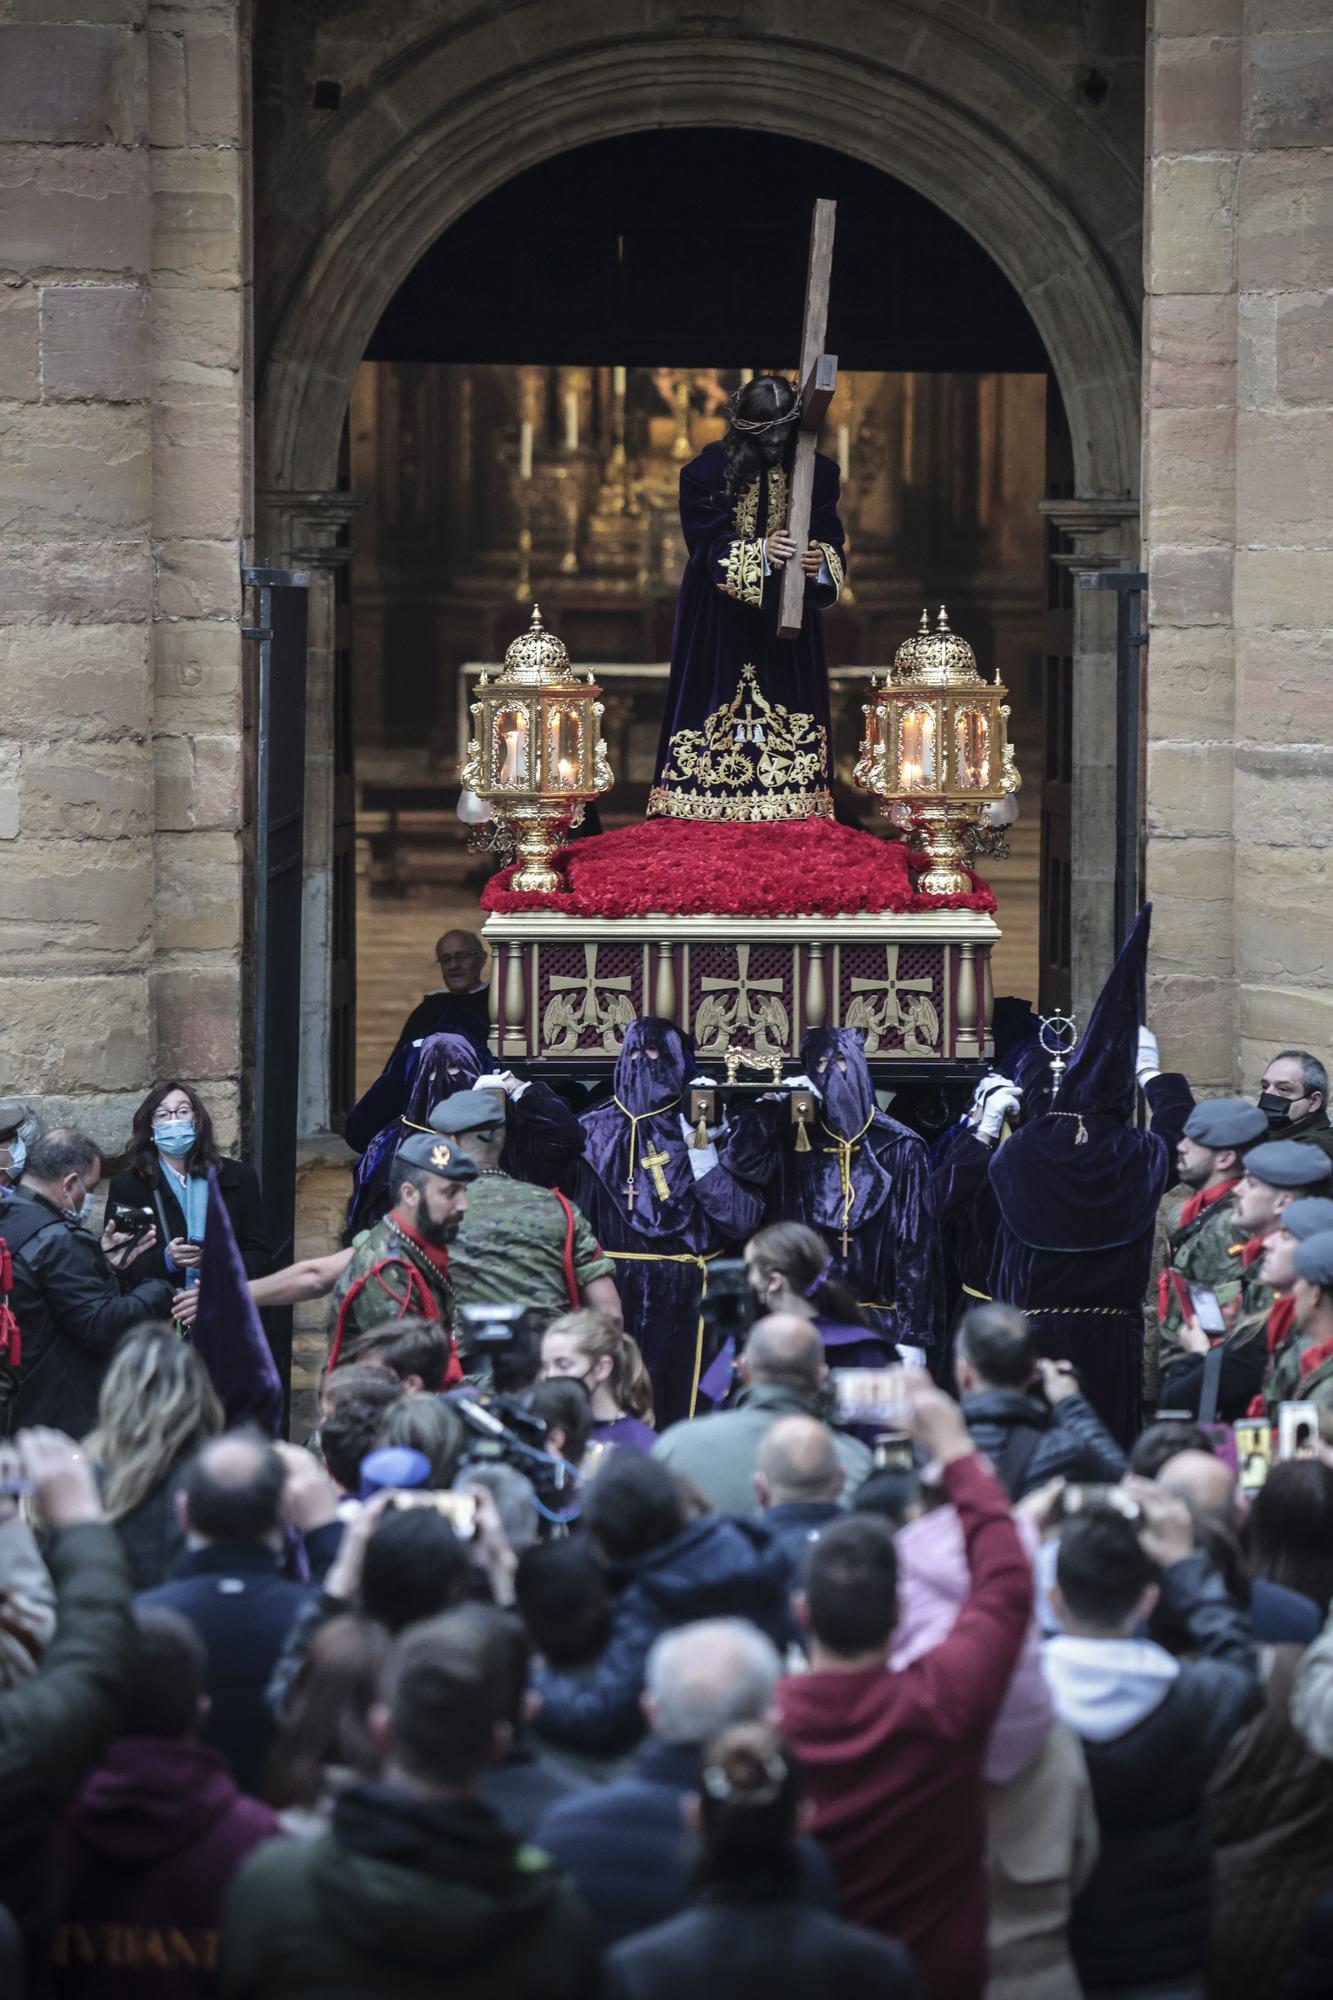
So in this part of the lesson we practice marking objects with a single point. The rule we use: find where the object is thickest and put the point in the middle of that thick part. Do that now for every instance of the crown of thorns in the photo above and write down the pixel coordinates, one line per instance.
(754, 425)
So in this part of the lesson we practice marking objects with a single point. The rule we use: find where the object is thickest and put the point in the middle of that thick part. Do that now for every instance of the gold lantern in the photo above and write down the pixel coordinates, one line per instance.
(936, 753)
(537, 754)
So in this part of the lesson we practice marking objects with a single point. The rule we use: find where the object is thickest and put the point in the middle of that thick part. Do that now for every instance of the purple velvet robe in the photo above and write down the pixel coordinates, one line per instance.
(542, 1134)
(1068, 1234)
(745, 730)
(659, 1240)
(893, 1261)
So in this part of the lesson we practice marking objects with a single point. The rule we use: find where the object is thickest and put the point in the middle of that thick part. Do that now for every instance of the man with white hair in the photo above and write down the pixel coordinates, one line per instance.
(623, 1844)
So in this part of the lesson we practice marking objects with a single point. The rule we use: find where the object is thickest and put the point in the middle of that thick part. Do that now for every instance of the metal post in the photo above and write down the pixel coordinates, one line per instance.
(1130, 643)
(280, 633)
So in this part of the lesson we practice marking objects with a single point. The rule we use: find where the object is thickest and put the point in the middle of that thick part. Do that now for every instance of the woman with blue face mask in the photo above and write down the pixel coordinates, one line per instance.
(165, 1180)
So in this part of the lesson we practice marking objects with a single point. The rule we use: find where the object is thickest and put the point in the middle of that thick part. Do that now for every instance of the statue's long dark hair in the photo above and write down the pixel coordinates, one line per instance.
(749, 453)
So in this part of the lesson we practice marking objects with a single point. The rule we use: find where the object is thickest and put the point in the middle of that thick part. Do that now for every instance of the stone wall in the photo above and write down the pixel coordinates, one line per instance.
(1238, 526)
(124, 500)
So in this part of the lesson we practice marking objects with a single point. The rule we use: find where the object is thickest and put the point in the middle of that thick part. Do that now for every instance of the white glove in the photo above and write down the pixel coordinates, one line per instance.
(702, 1159)
(803, 1083)
(502, 1080)
(1000, 1099)
(1147, 1063)
(702, 1083)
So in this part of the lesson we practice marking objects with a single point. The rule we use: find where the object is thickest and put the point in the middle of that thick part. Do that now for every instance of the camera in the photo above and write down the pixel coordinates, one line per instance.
(500, 1431)
(128, 1221)
(729, 1308)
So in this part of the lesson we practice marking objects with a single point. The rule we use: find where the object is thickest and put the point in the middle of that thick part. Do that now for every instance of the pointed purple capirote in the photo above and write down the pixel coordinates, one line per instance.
(1100, 1077)
(227, 1333)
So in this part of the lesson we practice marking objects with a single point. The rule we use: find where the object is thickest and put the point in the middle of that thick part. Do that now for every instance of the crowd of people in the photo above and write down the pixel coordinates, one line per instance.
(915, 1630)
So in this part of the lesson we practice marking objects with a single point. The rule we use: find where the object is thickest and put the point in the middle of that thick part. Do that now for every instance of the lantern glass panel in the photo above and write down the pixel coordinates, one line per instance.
(916, 750)
(564, 748)
(971, 750)
(510, 740)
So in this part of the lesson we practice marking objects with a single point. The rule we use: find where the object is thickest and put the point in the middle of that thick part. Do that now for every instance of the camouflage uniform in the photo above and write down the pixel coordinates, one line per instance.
(408, 1285)
(1199, 1254)
(511, 1248)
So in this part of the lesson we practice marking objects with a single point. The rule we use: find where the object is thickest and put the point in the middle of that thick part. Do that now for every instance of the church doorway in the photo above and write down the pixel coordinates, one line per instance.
(516, 430)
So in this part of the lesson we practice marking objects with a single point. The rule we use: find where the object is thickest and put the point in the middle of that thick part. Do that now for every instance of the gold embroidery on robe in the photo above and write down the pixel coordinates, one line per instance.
(835, 568)
(743, 571)
(773, 760)
(746, 519)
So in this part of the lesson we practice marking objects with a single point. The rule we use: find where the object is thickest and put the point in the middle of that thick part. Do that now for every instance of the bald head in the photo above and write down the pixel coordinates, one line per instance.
(1204, 1482)
(459, 955)
(232, 1492)
(798, 1460)
(785, 1350)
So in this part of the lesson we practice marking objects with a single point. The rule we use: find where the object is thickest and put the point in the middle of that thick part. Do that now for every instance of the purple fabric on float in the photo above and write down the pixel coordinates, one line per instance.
(227, 1334)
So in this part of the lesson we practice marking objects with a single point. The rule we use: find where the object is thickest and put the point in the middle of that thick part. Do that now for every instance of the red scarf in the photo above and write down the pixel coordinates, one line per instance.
(1252, 1250)
(1169, 1281)
(1204, 1198)
(1281, 1319)
(1315, 1357)
(436, 1257)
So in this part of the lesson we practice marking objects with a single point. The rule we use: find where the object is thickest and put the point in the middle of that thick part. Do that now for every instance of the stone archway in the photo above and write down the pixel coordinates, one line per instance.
(969, 116)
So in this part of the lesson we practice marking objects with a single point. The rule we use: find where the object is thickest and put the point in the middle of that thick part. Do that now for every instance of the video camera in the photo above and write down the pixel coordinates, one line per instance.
(501, 1432)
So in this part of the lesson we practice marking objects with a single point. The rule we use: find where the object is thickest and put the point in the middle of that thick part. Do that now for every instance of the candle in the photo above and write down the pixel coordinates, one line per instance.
(514, 770)
(917, 761)
(571, 420)
(844, 451)
(618, 380)
(566, 772)
(525, 449)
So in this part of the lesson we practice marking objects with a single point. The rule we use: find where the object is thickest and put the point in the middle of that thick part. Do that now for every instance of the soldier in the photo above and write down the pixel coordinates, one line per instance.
(1311, 1216)
(1208, 1160)
(1275, 1175)
(519, 1244)
(1311, 1378)
(400, 1268)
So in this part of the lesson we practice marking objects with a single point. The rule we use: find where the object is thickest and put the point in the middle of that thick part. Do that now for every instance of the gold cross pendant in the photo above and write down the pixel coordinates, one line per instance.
(655, 1163)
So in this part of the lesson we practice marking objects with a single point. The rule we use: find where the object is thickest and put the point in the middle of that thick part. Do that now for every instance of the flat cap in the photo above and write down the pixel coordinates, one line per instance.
(469, 1110)
(1226, 1121)
(1285, 1163)
(1313, 1259)
(437, 1156)
(1310, 1216)
(13, 1113)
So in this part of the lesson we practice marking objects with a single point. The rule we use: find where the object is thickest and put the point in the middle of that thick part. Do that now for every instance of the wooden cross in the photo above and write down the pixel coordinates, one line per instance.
(819, 378)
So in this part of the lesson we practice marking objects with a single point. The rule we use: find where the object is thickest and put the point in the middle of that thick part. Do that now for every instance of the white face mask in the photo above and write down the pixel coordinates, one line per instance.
(18, 1156)
(83, 1214)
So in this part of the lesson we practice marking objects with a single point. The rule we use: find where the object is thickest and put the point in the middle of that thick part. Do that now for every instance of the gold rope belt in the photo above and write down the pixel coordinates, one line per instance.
(678, 1257)
(1060, 1312)
(845, 1149)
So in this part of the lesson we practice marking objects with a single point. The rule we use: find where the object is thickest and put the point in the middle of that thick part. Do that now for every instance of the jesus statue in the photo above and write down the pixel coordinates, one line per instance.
(746, 730)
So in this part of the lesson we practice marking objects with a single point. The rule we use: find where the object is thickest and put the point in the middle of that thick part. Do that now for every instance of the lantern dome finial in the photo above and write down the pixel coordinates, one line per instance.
(537, 658)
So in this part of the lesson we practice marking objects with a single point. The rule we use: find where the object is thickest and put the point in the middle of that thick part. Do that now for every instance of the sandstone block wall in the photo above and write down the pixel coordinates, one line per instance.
(124, 500)
(1238, 526)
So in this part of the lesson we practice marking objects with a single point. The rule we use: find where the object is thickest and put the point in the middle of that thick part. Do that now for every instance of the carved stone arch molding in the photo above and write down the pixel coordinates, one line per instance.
(961, 111)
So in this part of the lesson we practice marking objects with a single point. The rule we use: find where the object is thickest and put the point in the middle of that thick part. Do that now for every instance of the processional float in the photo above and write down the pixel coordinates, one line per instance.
(748, 937)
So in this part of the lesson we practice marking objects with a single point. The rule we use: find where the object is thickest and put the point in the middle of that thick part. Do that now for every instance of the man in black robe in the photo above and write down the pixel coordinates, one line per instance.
(1070, 1201)
(745, 734)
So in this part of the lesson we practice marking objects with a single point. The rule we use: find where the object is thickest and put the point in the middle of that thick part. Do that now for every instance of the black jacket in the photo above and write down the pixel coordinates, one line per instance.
(410, 1898)
(241, 1607)
(1029, 1441)
(1145, 1914)
(239, 1187)
(628, 1852)
(731, 1946)
(73, 1311)
(715, 1568)
(54, 1727)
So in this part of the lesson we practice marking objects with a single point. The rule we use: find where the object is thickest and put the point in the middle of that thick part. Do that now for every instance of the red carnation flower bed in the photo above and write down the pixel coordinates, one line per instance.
(686, 868)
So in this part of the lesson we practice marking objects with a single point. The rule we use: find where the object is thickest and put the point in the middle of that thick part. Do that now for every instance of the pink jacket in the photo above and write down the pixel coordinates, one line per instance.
(932, 1584)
